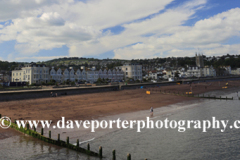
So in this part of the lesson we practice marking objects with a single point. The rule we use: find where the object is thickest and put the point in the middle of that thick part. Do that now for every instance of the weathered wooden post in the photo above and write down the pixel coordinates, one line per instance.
(114, 155)
(100, 151)
(49, 134)
(42, 131)
(129, 156)
(0, 116)
(15, 121)
(27, 126)
(77, 142)
(34, 129)
(88, 147)
(58, 137)
(67, 140)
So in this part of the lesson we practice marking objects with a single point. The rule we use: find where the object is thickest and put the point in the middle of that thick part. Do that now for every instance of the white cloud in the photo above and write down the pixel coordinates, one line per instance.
(108, 13)
(207, 34)
(11, 9)
(43, 24)
(48, 24)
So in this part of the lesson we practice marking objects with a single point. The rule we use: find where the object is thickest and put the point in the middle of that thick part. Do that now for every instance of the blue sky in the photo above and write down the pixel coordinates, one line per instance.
(127, 29)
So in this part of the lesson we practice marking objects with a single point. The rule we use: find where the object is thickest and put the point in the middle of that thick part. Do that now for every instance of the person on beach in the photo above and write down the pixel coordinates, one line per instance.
(151, 111)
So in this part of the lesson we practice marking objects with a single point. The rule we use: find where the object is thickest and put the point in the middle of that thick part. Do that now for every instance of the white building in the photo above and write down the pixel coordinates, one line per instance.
(209, 71)
(40, 73)
(32, 73)
(194, 72)
(155, 75)
(236, 71)
(132, 71)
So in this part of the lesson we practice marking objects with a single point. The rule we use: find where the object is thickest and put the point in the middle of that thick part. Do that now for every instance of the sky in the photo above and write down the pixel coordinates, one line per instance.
(40, 30)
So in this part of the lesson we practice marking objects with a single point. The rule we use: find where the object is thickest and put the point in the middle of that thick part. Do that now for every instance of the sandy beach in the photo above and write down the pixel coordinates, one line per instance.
(94, 105)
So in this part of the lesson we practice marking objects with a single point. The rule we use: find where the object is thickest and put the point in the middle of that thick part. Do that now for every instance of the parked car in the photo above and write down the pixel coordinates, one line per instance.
(154, 81)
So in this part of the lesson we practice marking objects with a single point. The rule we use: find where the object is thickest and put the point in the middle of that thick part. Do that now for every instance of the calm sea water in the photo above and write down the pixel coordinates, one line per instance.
(152, 144)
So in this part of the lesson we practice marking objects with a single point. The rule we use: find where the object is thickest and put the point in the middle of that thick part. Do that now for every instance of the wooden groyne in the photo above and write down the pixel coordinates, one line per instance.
(187, 94)
(59, 142)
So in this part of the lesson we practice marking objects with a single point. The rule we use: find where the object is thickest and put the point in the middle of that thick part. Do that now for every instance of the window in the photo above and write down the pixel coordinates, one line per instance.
(126, 69)
(126, 73)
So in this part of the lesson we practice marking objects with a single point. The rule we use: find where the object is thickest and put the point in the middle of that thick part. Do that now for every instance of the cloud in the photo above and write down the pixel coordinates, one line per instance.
(150, 29)
(208, 34)
(50, 24)
(134, 32)
(12, 9)
(45, 32)
(108, 13)
(52, 19)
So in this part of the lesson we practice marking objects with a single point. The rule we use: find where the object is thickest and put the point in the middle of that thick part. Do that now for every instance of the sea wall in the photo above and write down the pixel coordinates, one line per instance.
(31, 94)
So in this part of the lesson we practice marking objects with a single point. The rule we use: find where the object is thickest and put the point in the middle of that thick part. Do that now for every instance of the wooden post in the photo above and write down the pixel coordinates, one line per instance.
(49, 134)
(58, 137)
(129, 156)
(27, 126)
(77, 142)
(88, 147)
(0, 116)
(100, 151)
(42, 131)
(114, 155)
(34, 129)
(67, 140)
(15, 121)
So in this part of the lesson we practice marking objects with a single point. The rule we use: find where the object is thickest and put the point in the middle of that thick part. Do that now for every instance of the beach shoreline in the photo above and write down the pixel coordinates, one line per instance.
(99, 105)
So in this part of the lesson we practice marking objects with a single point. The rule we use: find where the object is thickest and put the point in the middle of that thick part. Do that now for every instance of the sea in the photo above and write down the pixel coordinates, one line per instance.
(151, 144)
